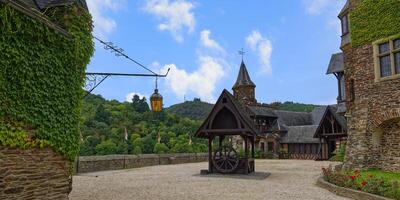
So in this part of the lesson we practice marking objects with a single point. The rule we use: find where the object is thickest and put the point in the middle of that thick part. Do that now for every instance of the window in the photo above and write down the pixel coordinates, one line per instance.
(270, 146)
(342, 88)
(387, 59)
(396, 48)
(352, 90)
(345, 24)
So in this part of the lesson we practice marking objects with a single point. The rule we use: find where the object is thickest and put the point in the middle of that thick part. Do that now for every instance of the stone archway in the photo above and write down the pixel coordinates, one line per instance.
(386, 139)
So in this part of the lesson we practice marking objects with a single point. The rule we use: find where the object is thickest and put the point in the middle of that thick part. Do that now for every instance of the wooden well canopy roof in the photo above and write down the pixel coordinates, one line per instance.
(227, 117)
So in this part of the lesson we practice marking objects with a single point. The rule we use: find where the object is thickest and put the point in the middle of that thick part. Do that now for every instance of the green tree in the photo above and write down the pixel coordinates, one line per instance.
(148, 144)
(139, 105)
(137, 150)
(106, 148)
(102, 115)
(160, 148)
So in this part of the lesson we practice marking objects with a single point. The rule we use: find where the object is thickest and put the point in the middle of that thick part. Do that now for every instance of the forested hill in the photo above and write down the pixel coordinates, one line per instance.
(199, 110)
(112, 127)
(291, 106)
(195, 109)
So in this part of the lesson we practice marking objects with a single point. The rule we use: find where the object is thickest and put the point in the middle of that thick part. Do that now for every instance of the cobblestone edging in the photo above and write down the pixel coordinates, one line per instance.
(86, 164)
(346, 192)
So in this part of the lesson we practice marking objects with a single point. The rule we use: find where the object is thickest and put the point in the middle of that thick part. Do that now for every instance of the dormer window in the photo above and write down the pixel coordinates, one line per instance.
(345, 24)
(387, 59)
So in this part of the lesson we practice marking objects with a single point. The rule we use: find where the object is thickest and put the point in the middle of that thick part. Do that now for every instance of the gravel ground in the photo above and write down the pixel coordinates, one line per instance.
(289, 179)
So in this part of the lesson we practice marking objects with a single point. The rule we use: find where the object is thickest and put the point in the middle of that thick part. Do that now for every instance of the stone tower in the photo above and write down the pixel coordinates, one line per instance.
(372, 74)
(244, 88)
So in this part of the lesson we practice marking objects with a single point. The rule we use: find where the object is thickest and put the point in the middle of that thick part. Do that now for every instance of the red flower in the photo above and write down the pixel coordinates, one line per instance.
(353, 177)
(364, 183)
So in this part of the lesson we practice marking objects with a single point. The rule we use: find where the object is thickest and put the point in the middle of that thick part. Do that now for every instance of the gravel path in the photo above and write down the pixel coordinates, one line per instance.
(289, 179)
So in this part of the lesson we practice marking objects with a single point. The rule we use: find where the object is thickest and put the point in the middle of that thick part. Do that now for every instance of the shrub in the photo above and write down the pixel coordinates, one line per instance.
(363, 181)
(339, 153)
(106, 148)
(137, 150)
(160, 148)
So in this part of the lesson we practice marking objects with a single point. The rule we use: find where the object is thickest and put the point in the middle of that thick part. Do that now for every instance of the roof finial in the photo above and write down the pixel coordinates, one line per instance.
(242, 52)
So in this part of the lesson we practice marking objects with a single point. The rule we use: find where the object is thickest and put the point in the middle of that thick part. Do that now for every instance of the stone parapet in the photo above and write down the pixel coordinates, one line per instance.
(86, 164)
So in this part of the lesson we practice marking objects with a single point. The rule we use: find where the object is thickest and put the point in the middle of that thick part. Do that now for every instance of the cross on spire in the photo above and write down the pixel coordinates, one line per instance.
(242, 52)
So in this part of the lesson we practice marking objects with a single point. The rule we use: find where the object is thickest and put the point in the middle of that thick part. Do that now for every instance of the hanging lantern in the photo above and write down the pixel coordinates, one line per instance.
(156, 100)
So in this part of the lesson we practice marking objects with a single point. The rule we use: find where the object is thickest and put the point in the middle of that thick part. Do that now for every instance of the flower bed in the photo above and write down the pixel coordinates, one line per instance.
(372, 181)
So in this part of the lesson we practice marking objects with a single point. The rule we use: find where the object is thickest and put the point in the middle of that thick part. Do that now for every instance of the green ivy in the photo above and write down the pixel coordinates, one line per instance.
(41, 77)
(373, 20)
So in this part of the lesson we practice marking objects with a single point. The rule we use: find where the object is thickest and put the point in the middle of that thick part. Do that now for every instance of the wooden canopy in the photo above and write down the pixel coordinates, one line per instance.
(227, 117)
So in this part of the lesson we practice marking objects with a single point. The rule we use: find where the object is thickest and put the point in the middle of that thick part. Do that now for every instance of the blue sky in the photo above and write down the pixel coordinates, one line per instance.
(288, 45)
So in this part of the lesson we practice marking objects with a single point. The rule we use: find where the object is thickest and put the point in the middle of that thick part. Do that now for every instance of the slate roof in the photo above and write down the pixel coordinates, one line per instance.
(43, 4)
(300, 127)
(262, 111)
(289, 118)
(317, 114)
(243, 78)
(344, 9)
(300, 134)
(336, 64)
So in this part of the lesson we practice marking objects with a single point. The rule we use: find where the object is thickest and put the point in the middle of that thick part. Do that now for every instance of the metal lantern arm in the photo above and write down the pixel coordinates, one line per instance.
(94, 79)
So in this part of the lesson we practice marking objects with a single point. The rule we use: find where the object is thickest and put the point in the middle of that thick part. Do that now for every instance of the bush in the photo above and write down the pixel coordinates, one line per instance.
(339, 153)
(137, 150)
(106, 148)
(160, 148)
(363, 181)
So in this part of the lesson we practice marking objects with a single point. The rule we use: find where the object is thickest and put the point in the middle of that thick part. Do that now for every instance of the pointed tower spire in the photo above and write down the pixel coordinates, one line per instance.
(244, 88)
(243, 78)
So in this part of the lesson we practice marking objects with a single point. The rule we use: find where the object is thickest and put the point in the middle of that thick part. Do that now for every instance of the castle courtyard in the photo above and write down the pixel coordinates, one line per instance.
(288, 179)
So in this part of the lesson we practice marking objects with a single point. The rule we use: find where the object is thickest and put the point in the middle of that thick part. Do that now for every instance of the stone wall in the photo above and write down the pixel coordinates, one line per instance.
(86, 164)
(33, 174)
(372, 114)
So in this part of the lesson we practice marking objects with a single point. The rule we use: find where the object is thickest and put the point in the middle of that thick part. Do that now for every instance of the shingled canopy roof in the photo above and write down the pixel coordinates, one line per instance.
(233, 121)
(336, 64)
(243, 78)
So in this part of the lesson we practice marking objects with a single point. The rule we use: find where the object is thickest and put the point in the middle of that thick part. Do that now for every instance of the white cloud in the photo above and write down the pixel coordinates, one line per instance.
(129, 96)
(175, 16)
(315, 7)
(103, 25)
(207, 42)
(327, 8)
(263, 48)
(201, 82)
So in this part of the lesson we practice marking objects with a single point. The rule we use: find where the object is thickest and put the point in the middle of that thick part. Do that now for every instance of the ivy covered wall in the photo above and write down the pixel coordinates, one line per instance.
(373, 20)
(41, 77)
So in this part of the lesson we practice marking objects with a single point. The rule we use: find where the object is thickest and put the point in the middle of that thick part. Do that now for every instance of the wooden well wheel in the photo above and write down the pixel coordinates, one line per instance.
(225, 159)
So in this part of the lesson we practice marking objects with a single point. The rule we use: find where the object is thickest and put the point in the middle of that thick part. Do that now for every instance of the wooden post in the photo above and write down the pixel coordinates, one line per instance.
(210, 139)
(246, 155)
(221, 139)
(252, 146)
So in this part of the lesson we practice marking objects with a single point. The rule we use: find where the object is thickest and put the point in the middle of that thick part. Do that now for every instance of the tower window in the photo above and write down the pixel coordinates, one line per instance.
(345, 24)
(387, 59)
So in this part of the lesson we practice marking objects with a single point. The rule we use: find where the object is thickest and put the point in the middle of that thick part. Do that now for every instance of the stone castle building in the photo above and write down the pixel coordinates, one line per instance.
(369, 88)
